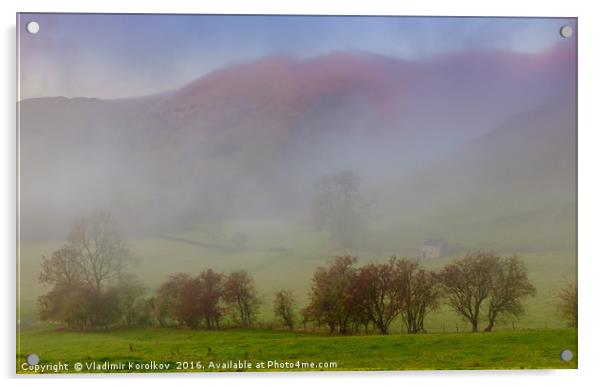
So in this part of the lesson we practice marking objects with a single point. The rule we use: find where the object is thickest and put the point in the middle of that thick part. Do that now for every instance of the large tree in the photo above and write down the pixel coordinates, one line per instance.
(339, 207)
(377, 290)
(85, 275)
(468, 283)
(510, 285)
(486, 280)
(101, 248)
(241, 296)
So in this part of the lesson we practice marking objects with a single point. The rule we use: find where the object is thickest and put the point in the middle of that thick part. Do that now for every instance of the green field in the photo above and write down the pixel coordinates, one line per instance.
(285, 255)
(529, 349)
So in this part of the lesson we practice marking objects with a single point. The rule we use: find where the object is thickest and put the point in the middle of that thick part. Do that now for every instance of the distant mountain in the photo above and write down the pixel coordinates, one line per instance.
(252, 138)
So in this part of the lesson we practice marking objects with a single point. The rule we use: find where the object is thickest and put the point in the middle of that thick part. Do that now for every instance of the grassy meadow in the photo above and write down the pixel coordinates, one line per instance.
(283, 255)
(529, 349)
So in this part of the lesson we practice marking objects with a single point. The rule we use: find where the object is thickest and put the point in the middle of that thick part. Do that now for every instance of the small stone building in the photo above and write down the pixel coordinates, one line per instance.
(434, 248)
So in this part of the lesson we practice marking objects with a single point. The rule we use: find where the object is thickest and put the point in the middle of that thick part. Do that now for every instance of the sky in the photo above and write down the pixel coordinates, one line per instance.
(119, 56)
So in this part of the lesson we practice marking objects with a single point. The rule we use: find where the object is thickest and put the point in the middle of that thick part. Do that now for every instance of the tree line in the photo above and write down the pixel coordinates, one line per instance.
(91, 289)
(344, 297)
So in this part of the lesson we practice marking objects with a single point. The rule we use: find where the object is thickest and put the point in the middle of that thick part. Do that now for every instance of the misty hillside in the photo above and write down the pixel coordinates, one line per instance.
(438, 136)
(515, 183)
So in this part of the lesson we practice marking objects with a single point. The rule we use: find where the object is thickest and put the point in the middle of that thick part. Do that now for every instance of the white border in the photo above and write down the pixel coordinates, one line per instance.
(590, 189)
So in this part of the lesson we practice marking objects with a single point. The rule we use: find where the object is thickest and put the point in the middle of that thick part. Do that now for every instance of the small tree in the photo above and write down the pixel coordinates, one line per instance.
(376, 288)
(168, 300)
(190, 308)
(211, 293)
(510, 285)
(284, 308)
(68, 303)
(419, 294)
(191, 300)
(330, 294)
(241, 296)
(568, 304)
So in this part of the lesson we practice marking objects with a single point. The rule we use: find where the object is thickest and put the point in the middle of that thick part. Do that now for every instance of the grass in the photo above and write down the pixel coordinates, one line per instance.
(527, 349)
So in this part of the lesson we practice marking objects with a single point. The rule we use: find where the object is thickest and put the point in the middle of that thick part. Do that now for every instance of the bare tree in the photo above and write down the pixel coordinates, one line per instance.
(568, 304)
(419, 293)
(510, 286)
(468, 283)
(240, 294)
(339, 207)
(101, 247)
(284, 303)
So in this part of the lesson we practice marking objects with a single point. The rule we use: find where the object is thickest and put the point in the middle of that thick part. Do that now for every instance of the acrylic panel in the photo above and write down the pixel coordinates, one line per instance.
(251, 193)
